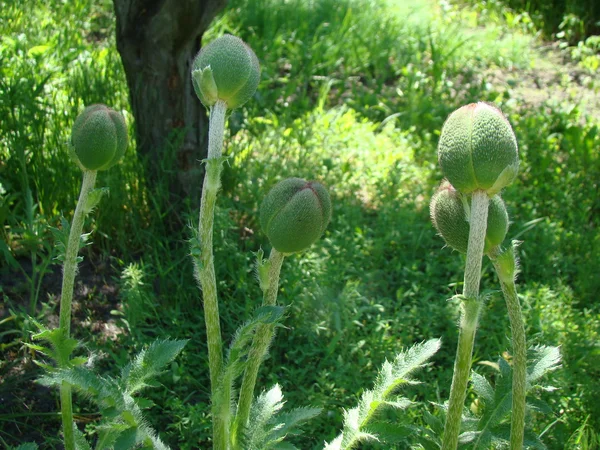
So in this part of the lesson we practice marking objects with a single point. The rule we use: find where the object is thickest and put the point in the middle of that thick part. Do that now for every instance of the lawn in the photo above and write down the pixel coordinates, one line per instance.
(353, 93)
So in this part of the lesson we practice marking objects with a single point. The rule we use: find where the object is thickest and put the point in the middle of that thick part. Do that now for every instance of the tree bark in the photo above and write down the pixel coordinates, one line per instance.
(157, 41)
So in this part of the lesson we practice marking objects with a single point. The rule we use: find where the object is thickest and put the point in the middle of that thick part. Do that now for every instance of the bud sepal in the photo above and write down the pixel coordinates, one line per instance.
(226, 69)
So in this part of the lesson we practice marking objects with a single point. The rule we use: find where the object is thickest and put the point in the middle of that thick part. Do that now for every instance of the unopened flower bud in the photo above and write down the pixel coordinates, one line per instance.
(450, 215)
(294, 214)
(478, 149)
(226, 69)
(99, 137)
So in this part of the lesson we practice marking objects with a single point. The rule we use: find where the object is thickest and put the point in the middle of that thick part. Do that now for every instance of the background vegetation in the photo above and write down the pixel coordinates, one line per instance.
(353, 93)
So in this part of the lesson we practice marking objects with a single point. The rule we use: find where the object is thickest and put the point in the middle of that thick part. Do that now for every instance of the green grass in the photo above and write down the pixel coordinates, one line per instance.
(353, 94)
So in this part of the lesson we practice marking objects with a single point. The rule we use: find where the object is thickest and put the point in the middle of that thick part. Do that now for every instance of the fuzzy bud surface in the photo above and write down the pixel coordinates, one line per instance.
(226, 69)
(99, 137)
(449, 211)
(294, 214)
(477, 149)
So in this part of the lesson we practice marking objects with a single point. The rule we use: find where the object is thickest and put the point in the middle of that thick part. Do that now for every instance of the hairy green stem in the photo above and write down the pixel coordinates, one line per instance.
(471, 306)
(66, 298)
(206, 269)
(70, 264)
(66, 411)
(519, 343)
(260, 344)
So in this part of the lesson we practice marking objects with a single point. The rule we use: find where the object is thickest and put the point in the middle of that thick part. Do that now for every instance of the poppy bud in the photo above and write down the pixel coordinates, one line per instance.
(478, 149)
(226, 69)
(99, 137)
(294, 214)
(450, 212)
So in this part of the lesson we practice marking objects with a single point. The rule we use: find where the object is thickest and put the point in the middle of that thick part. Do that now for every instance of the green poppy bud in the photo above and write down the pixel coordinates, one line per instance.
(450, 212)
(226, 69)
(478, 149)
(294, 214)
(99, 137)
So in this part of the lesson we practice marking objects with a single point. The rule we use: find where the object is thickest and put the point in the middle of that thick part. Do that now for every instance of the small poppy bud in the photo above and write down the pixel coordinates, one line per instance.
(226, 69)
(450, 214)
(294, 214)
(99, 137)
(478, 149)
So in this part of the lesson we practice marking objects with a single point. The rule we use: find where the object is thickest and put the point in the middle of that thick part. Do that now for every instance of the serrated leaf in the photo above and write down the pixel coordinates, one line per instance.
(493, 425)
(149, 363)
(61, 345)
(80, 442)
(390, 432)
(482, 388)
(545, 359)
(27, 446)
(390, 378)
(94, 198)
(268, 429)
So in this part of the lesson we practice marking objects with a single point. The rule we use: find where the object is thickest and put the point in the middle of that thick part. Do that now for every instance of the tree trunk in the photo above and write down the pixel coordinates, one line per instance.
(157, 41)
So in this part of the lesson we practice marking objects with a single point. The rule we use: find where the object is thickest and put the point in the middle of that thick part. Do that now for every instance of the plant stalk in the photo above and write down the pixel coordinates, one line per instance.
(519, 343)
(66, 298)
(70, 264)
(206, 269)
(260, 344)
(471, 306)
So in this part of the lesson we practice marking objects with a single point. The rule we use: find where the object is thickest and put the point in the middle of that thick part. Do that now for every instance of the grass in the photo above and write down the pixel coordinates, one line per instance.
(353, 94)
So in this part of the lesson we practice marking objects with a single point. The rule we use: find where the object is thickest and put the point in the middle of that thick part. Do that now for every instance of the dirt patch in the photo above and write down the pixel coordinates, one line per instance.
(29, 411)
(553, 77)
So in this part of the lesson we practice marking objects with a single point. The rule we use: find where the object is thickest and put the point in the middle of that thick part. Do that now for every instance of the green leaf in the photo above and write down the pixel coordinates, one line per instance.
(543, 360)
(94, 198)
(149, 363)
(482, 388)
(61, 346)
(8, 256)
(80, 442)
(27, 446)
(360, 423)
(238, 350)
(267, 429)
(492, 427)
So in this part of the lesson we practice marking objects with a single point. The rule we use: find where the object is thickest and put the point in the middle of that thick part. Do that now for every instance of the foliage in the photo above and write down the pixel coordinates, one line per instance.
(124, 426)
(362, 424)
(360, 117)
(489, 427)
(267, 429)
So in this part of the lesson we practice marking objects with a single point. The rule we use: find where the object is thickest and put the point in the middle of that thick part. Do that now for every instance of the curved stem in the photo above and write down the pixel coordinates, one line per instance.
(471, 306)
(66, 299)
(519, 343)
(260, 344)
(205, 269)
(70, 264)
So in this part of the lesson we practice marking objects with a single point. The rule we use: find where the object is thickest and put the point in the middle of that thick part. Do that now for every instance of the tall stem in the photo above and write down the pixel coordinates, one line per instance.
(70, 264)
(471, 306)
(519, 343)
(205, 270)
(260, 344)
(66, 298)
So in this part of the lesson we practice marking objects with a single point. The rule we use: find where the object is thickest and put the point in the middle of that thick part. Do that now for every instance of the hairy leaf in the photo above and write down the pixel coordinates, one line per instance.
(267, 429)
(360, 423)
(492, 428)
(149, 363)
